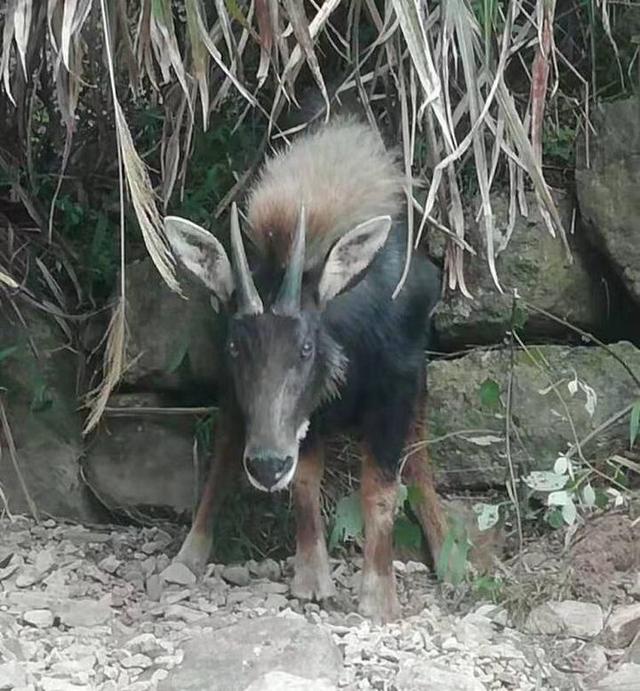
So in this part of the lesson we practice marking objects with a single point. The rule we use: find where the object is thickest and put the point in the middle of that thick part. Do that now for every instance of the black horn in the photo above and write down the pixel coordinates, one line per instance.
(249, 301)
(288, 300)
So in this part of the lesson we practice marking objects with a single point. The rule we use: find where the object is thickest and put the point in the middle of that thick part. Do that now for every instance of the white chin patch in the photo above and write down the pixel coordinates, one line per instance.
(302, 431)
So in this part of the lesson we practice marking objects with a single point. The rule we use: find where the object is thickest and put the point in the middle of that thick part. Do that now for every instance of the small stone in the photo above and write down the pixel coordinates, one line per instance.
(419, 675)
(178, 573)
(49, 523)
(143, 643)
(236, 575)
(184, 613)
(275, 602)
(272, 587)
(269, 568)
(27, 578)
(283, 681)
(569, 618)
(622, 626)
(178, 596)
(154, 587)
(40, 618)
(110, 564)
(85, 612)
(44, 561)
(8, 571)
(625, 677)
(450, 644)
(12, 675)
(136, 661)
(416, 567)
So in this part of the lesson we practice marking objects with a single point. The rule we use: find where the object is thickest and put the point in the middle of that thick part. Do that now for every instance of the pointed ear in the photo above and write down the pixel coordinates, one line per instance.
(352, 255)
(201, 255)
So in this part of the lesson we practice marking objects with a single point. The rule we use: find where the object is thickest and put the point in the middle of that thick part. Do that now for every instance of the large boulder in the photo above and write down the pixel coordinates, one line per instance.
(607, 184)
(237, 656)
(556, 390)
(141, 460)
(535, 263)
(171, 339)
(38, 376)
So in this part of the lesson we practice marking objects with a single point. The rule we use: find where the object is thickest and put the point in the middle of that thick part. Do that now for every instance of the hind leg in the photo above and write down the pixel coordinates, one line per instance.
(418, 472)
(225, 464)
(312, 577)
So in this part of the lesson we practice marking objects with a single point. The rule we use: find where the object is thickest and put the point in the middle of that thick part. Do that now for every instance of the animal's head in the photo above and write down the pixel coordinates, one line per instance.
(283, 362)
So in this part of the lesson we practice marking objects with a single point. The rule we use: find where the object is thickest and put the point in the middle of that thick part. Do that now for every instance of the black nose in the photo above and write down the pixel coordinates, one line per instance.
(268, 470)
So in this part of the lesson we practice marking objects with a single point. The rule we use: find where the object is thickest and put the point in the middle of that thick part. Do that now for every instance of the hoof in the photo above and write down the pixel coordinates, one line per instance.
(194, 553)
(312, 576)
(379, 599)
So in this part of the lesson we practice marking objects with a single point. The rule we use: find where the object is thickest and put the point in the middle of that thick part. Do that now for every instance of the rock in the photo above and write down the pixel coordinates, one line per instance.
(624, 678)
(269, 568)
(40, 618)
(419, 675)
(179, 574)
(38, 376)
(127, 472)
(607, 183)
(569, 618)
(85, 612)
(154, 587)
(246, 651)
(622, 626)
(535, 263)
(236, 575)
(171, 339)
(12, 676)
(282, 681)
(468, 393)
(110, 564)
(138, 660)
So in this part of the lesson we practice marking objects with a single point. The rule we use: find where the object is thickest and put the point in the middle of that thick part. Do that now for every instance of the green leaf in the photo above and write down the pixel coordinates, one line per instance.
(415, 496)
(488, 515)
(488, 587)
(554, 518)
(588, 496)
(569, 512)
(7, 352)
(520, 317)
(634, 424)
(348, 522)
(407, 534)
(545, 480)
(490, 394)
(452, 561)
(178, 356)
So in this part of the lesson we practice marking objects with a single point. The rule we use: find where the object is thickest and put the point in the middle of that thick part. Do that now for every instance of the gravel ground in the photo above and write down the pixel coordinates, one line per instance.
(104, 608)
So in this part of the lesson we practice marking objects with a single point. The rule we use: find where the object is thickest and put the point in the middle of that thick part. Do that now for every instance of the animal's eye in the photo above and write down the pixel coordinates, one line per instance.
(307, 349)
(233, 349)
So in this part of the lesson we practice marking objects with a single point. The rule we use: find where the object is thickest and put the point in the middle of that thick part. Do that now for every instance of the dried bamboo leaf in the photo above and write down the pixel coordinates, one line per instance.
(7, 280)
(298, 19)
(22, 27)
(8, 33)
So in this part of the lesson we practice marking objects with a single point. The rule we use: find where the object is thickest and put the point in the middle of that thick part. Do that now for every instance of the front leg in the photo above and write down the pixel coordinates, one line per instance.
(378, 594)
(225, 464)
(312, 577)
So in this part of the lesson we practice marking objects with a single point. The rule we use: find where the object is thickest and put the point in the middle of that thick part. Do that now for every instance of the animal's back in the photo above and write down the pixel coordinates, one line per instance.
(341, 172)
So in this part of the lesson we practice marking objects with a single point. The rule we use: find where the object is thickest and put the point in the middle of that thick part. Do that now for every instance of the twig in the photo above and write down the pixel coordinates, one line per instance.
(512, 473)
(6, 429)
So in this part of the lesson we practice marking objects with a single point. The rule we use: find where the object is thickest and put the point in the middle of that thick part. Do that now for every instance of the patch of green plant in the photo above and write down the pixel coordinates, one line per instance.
(558, 143)
(452, 563)
(490, 394)
(489, 588)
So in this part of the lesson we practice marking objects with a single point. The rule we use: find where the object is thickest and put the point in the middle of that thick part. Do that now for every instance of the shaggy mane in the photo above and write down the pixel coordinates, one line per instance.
(342, 173)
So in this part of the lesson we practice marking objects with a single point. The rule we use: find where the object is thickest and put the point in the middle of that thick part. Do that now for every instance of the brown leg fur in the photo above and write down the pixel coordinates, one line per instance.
(225, 464)
(378, 596)
(312, 578)
(418, 472)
